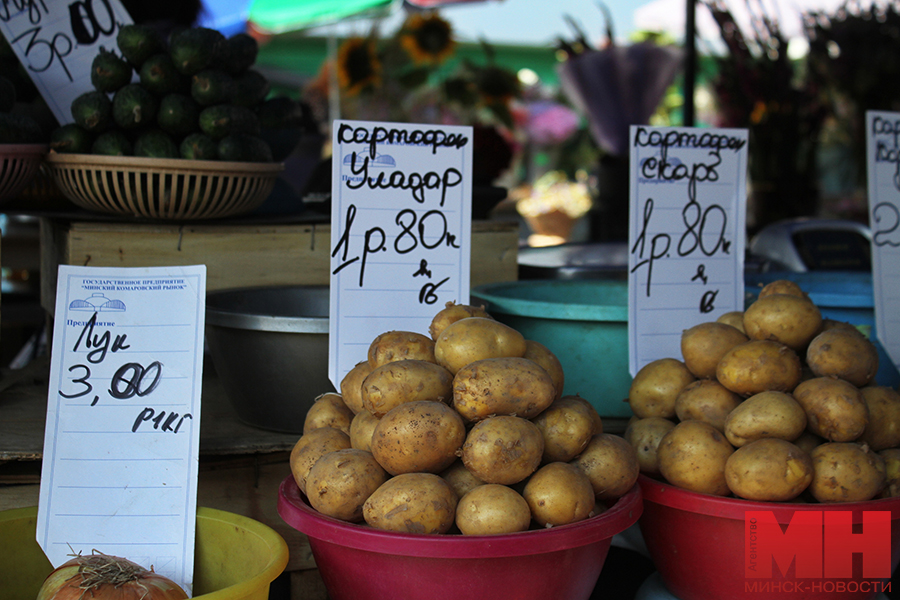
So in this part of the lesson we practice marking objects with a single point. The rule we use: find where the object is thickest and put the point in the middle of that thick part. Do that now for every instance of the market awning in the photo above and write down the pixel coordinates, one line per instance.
(277, 16)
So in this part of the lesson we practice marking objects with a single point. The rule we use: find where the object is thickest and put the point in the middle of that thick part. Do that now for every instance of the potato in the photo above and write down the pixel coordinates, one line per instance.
(758, 366)
(311, 447)
(476, 338)
(703, 345)
(328, 410)
(611, 464)
(835, 409)
(340, 482)
(460, 478)
(844, 353)
(412, 503)
(769, 469)
(492, 509)
(502, 386)
(351, 385)
(401, 381)
(883, 429)
(807, 441)
(693, 456)
(791, 320)
(706, 400)
(567, 426)
(452, 313)
(644, 436)
(400, 345)
(595, 416)
(503, 449)
(735, 318)
(558, 494)
(891, 458)
(846, 472)
(361, 429)
(765, 415)
(539, 353)
(419, 436)
(655, 387)
(782, 286)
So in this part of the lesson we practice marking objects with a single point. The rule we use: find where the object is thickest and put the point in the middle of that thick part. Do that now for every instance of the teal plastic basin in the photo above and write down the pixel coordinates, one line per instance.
(583, 322)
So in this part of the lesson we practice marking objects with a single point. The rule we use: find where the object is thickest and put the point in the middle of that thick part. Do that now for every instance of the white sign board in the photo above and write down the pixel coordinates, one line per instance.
(56, 41)
(401, 221)
(883, 162)
(686, 234)
(121, 444)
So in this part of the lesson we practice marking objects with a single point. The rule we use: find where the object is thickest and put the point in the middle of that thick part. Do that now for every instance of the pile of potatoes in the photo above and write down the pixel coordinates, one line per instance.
(774, 403)
(464, 430)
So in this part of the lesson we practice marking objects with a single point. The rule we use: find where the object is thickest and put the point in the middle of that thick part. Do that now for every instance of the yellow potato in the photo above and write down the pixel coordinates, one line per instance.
(846, 472)
(644, 436)
(782, 286)
(539, 353)
(475, 338)
(503, 449)
(835, 409)
(807, 441)
(361, 429)
(769, 470)
(558, 494)
(328, 410)
(735, 318)
(460, 478)
(340, 482)
(502, 386)
(891, 457)
(492, 509)
(655, 387)
(452, 313)
(611, 465)
(595, 416)
(883, 429)
(400, 345)
(412, 503)
(844, 353)
(693, 456)
(352, 383)
(311, 447)
(791, 320)
(765, 415)
(706, 400)
(419, 436)
(759, 366)
(704, 344)
(567, 426)
(401, 381)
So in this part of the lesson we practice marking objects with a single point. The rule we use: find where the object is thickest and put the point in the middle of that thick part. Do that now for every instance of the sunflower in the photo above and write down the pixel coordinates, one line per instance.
(427, 38)
(358, 65)
(496, 84)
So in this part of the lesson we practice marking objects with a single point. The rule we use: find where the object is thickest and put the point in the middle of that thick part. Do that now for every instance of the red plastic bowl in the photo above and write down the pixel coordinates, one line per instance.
(361, 563)
(697, 544)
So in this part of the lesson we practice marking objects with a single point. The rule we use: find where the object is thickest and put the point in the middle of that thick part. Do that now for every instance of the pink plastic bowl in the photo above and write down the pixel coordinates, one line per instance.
(697, 543)
(361, 563)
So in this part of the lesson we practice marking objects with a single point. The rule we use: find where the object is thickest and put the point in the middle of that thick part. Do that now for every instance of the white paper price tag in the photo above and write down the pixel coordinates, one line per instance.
(121, 444)
(56, 41)
(686, 234)
(401, 219)
(883, 163)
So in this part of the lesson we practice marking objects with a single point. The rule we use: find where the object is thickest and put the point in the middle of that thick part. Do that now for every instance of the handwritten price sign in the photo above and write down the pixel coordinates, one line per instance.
(883, 161)
(121, 443)
(401, 217)
(686, 234)
(57, 40)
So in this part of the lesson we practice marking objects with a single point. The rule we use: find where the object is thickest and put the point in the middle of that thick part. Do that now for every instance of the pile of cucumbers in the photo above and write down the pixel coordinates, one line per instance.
(192, 96)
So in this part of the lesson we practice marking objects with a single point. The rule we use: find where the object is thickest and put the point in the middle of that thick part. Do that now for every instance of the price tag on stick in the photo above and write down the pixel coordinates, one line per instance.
(121, 445)
(401, 218)
(686, 234)
(56, 41)
(883, 163)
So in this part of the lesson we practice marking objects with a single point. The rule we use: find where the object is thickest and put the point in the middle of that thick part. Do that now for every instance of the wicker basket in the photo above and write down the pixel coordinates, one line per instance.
(19, 163)
(163, 188)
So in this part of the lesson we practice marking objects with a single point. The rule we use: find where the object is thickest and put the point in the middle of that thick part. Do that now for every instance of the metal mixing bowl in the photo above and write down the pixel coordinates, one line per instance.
(270, 349)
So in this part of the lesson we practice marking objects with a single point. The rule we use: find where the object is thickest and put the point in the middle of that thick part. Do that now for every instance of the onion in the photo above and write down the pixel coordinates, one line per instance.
(104, 577)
